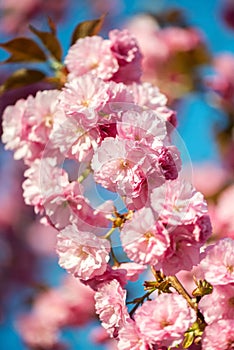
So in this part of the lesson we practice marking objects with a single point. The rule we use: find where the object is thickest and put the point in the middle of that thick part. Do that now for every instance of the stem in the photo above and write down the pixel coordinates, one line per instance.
(175, 283)
(140, 301)
(84, 175)
(109, 233)
(116, 261)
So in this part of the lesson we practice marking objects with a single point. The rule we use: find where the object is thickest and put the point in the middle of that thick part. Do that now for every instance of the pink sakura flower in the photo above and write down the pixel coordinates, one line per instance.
(181, 39)
(91, 54)
(41, 112)
(43, 179)
(125, 49)
(177, 202)
(35, 117)
(219, 304)
(12, 129)
(218, 264)
(146, 30)
(169, 161)
(120, 100)
(164, 320)
(36, 332)
(17, 15)
(132, 170)
(70, 206)
(61, 208)
(219, 336)
(82, 253)
(132, 269)
(80, 310)
(147, 95)
(223, 81)
(51, 307)
(119, 92)
(83, 97)
(130, 338)
(116, 167)
(73, 140)
(110, 306)
(183, 251)
(109, 275)
(203, 229)
(143, 240)
(143, 127)
(61, 306)
(58, 308)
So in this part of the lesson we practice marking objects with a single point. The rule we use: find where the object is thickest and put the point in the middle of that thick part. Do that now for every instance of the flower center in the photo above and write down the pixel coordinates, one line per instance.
(124, 164)
(165, 323)
(85, 103)
(230, 268)
(148, 235)
(94, 65)
(48, 120)
(231, 301)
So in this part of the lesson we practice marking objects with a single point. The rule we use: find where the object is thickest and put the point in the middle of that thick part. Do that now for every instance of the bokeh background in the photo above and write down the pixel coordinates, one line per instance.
(28, 263)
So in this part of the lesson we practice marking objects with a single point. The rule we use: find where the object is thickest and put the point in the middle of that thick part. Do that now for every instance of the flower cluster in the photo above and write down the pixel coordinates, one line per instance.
(117, 131)
(165, 63)
(218, 308)
(54, 310)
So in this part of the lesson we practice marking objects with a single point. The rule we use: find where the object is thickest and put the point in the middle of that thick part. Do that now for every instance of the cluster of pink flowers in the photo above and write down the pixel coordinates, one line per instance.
(160, 58)
(54, 310)
(16, 14)
(223, 80)
(218, 308)
(117, 131)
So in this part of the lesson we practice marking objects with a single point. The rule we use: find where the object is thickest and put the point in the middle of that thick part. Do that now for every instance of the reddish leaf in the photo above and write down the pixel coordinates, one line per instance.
(50, 41)
(23, 50)
(22, 77)
(87, 28)
(52, 26)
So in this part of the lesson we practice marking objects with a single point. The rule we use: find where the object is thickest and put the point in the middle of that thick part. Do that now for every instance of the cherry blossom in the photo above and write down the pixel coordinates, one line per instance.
(130, 338)
(177, 202)
(110, 306)
(125, 49)
(219, 335)
(82, 253)
(218, 264)
(218, 305)
(143, 240)
(83, 97)
(164, 320)
(43, 179)
(91, 54)
(183, 251)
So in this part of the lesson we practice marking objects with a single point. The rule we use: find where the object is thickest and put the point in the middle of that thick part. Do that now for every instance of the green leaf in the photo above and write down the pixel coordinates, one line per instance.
(23, 50)
(50, 41)
(87, 28)
(188, 340)
(22, 77)
(203, 288)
